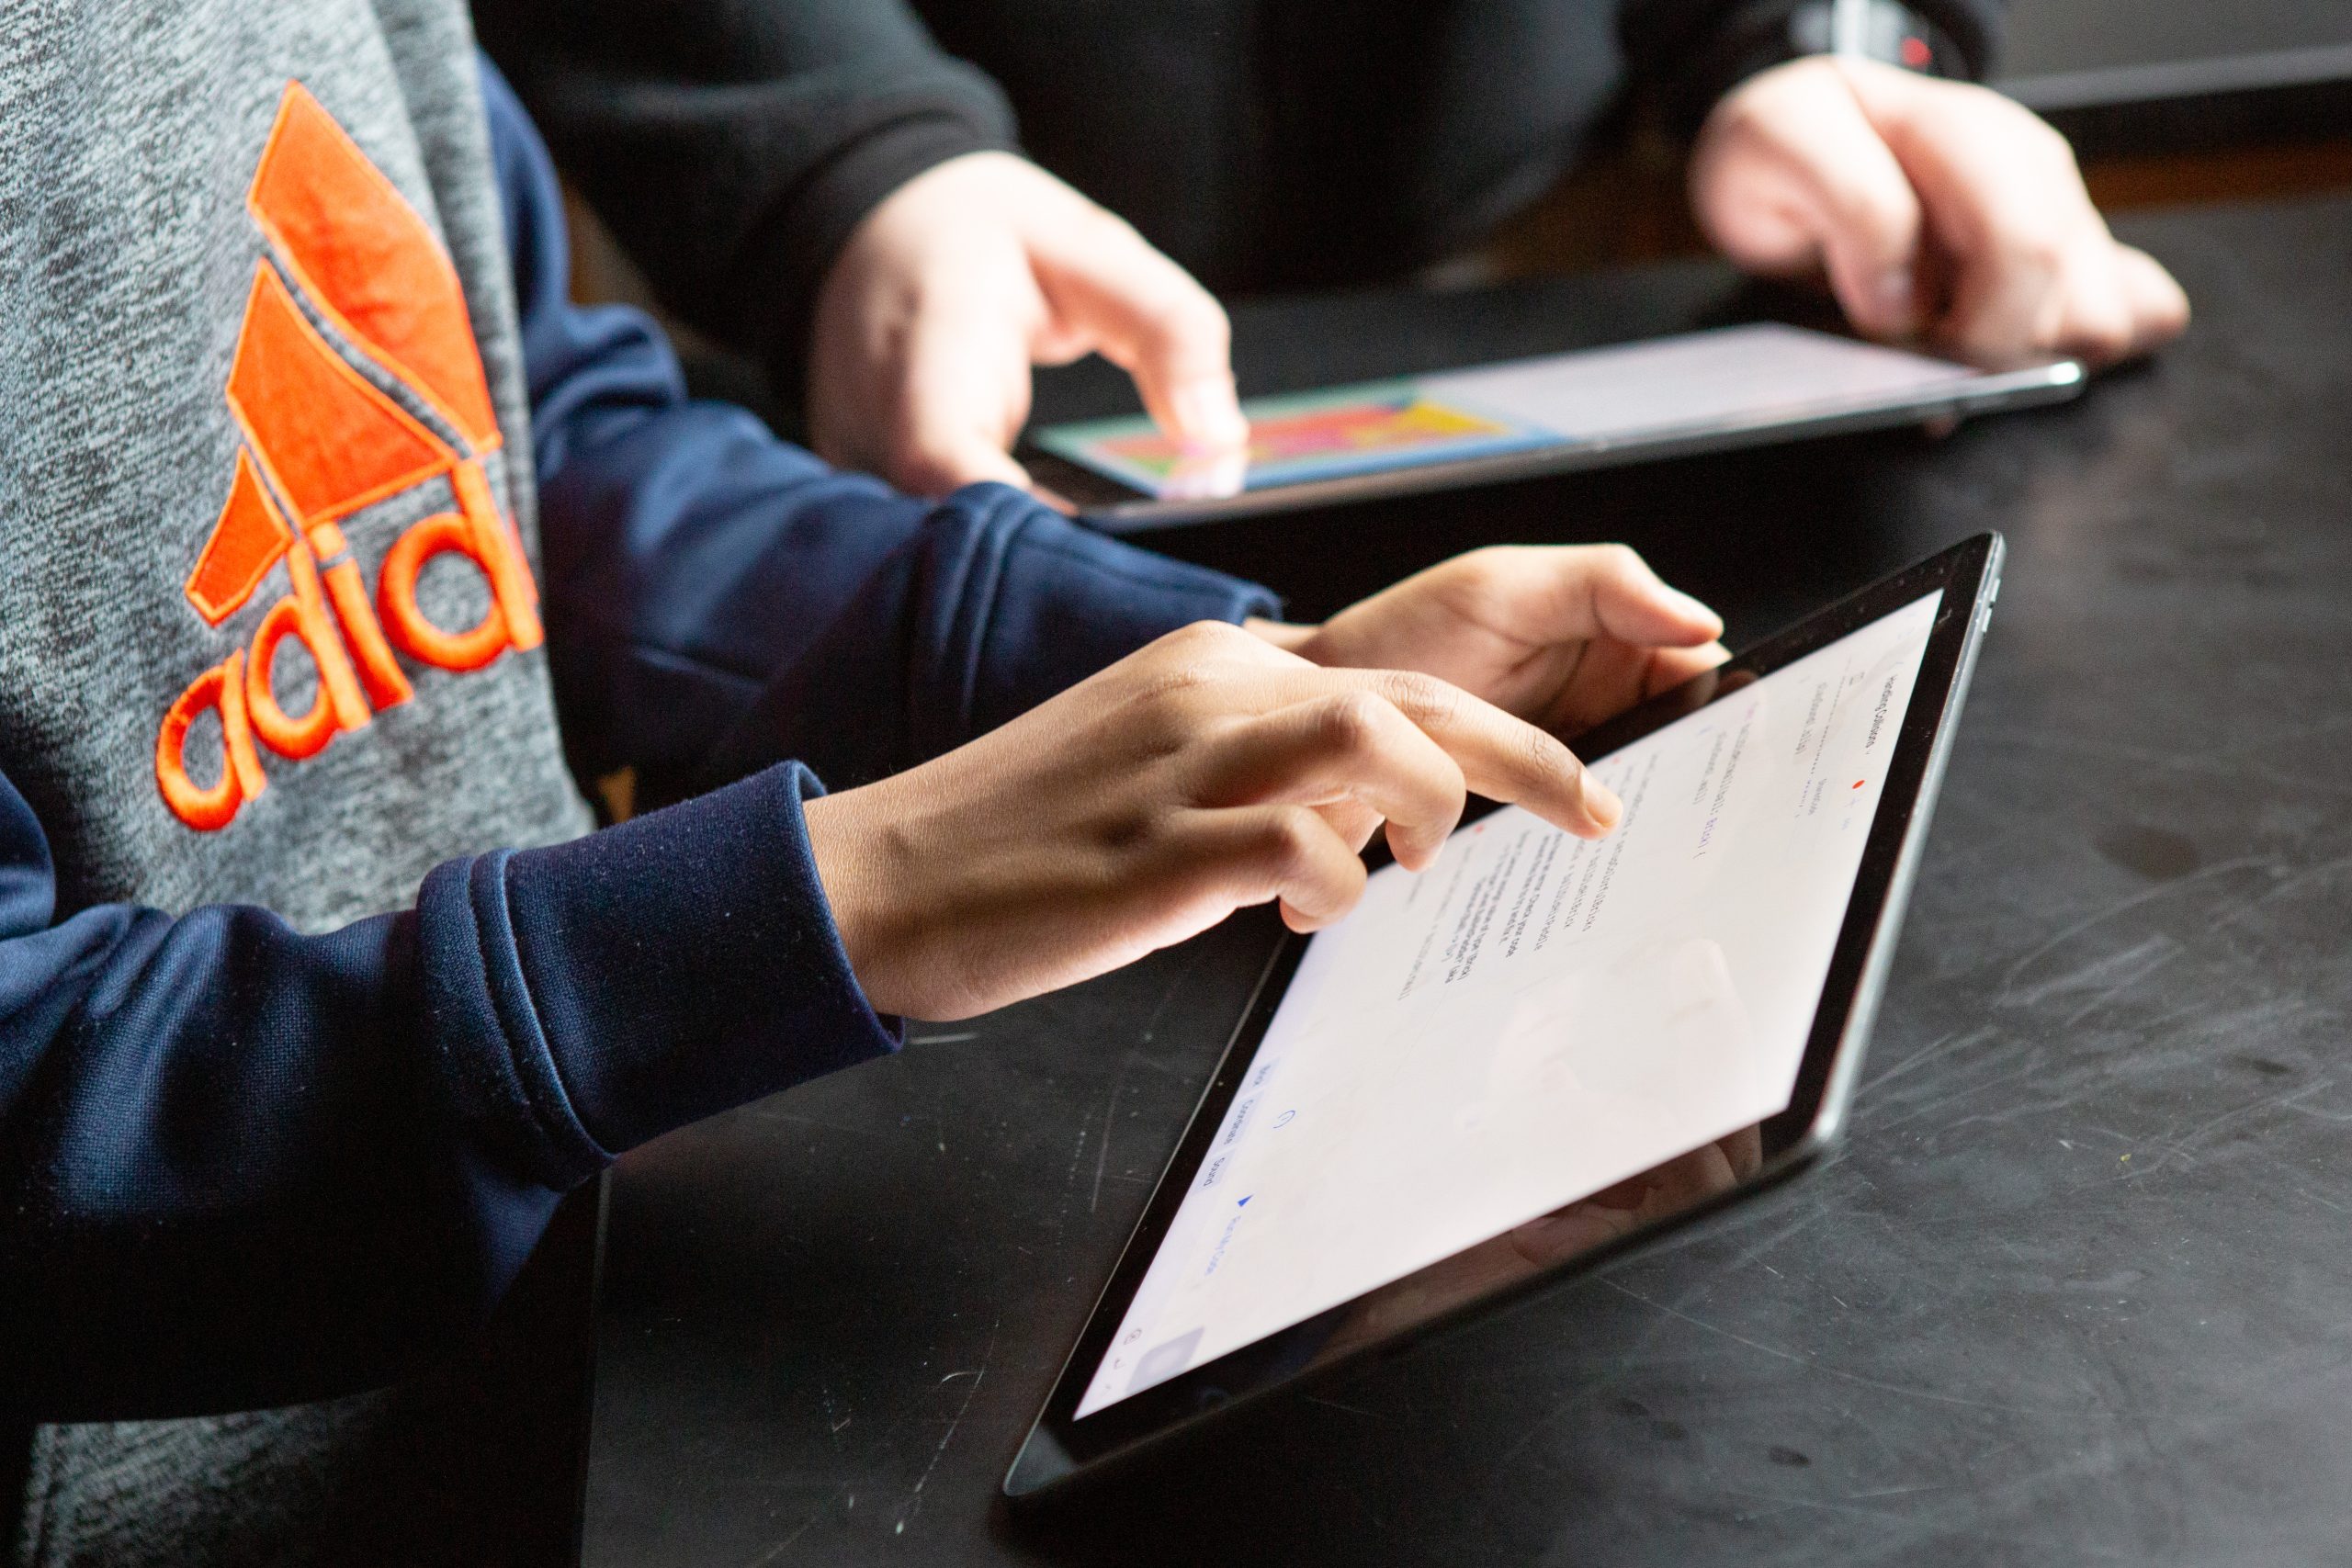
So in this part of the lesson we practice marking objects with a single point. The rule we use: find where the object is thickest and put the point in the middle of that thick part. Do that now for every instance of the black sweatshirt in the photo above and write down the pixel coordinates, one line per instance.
(732, 145)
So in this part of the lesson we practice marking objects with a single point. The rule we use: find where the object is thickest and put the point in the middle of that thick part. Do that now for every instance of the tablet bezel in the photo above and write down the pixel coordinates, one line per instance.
(1061, 1446)
(1115, 507)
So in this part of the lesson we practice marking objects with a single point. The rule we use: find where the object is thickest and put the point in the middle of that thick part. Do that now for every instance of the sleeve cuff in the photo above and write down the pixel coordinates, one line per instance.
(650, 974)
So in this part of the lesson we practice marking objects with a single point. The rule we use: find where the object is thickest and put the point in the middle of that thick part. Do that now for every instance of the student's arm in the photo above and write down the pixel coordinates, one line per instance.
(719, 599)
(817, 186)
(240, 1165)
(732, 147)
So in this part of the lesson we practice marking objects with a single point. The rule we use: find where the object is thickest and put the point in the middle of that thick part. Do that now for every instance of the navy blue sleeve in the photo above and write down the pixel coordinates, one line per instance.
(719, 599)
(240, 1165)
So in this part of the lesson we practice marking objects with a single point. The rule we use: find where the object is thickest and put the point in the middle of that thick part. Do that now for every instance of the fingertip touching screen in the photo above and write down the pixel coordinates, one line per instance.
(1539, 1042)
(1725, 378)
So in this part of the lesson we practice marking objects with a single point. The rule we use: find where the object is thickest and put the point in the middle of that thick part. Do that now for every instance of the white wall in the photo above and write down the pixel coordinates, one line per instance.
(2050, 35)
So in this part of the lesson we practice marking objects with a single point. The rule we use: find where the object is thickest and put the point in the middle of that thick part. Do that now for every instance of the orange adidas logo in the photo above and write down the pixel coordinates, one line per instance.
(323, 441)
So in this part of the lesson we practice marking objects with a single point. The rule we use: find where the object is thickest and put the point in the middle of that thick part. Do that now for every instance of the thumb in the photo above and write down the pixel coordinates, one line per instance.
(1554, 593)
(1108, 287)
(1628, 600)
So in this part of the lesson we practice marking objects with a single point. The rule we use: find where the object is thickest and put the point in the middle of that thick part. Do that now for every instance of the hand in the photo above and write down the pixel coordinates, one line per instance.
(1208, 772)
(963, 278)
(1938, 210)
(1561, 635)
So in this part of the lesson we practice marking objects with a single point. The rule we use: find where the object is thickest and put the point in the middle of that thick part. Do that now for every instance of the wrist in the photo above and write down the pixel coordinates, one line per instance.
(856, 852)
(1885, 30)
(1761, 35)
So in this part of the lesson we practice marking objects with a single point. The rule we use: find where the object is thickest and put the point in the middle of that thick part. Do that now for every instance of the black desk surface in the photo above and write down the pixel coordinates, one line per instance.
(2079, 1288)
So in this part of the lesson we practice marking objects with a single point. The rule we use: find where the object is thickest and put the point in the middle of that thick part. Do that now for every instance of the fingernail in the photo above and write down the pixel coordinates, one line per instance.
(1600, 803)
(1694, 609)
(1896, 298)
(1208, 416)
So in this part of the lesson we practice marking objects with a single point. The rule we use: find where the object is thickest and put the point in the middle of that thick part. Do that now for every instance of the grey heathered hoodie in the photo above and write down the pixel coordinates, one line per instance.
(170, 325)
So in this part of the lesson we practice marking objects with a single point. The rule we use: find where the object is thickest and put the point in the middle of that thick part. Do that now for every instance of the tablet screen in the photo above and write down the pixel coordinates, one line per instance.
(1731, 378)
(1536, 1019)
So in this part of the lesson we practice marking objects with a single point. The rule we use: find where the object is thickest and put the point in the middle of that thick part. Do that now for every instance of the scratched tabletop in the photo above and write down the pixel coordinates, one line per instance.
(2078, 1288)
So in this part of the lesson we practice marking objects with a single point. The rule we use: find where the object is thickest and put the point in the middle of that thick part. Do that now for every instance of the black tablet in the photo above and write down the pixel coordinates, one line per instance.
(1700, 391)
(1541, 1050)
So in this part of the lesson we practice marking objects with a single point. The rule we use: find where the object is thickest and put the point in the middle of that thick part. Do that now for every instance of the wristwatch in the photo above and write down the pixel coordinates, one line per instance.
(1882, 29)
(1761, 35)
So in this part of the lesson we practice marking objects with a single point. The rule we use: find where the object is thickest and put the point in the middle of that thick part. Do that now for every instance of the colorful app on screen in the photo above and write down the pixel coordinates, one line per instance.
(1321, 436)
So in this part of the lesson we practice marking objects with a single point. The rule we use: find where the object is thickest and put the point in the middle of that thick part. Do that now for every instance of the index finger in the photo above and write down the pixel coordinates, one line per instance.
(1501, 757)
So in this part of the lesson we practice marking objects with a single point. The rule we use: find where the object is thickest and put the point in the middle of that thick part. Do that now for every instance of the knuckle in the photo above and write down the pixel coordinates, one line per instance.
(1350, 723)
(2047, 141)
(1424, 698)
(1735, 116)
(1190, 651)
(1486, 567)
(1621, 560)
(1545, 755)
(1192, 314)
(1098, 227)
(1283, 844)
(1175, 690)
(1762, 105)
(1813, 71)
(1198, 636)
